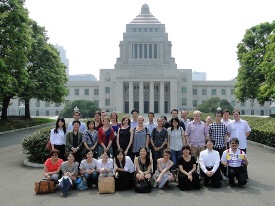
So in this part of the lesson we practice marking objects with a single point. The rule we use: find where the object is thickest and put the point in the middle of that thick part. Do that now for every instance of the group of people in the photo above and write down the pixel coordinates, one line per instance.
(133, 151)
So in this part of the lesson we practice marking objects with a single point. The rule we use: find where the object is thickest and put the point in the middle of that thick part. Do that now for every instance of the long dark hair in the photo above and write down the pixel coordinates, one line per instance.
(147, 158)
(57, 126)
(123, 159)
(177, 120)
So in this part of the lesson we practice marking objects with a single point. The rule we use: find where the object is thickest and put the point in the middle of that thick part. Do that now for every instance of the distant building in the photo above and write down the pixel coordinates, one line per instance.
(64, 59)
(145, 77)
(82, 77)
(198, 76)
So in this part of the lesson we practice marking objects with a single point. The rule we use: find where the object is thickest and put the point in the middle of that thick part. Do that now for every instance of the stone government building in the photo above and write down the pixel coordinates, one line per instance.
(145, 77)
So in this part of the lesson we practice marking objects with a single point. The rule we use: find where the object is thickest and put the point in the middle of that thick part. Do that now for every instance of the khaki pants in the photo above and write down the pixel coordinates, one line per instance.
(195, 151)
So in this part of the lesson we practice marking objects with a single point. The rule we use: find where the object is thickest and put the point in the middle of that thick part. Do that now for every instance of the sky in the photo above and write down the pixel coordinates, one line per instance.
(204, 33)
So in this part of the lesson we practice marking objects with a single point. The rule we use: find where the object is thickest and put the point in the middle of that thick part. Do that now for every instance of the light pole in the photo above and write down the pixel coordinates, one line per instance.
(252, 105)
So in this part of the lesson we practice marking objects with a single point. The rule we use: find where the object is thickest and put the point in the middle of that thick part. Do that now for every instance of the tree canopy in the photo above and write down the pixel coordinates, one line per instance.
(256, 59)
(211, 105)
(86, 108)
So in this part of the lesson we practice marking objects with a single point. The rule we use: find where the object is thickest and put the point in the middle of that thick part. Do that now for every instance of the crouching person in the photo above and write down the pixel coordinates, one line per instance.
(52, 166)
(88, 168)
(105, 165)
(123, 170)
(235, 159)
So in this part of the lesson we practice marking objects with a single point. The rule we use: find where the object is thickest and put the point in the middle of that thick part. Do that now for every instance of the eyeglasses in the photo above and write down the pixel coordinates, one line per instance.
(55, 155)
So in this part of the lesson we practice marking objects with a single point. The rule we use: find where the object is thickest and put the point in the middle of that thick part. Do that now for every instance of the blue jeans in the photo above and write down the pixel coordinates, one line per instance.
(91, 178)
(175, 155)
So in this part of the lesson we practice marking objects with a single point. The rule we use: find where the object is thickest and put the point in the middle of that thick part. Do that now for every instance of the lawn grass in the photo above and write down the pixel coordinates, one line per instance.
(16, 122)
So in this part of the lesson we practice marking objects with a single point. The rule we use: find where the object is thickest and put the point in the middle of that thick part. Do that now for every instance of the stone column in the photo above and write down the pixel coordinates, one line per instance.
(151, 97)
(141, 98)
(161, 98)
(118, 104)
(173, 95)
(131, 96)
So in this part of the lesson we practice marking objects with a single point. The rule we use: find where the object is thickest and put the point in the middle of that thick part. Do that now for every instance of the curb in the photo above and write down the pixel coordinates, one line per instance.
(261, 145)
(16, 130)
(31, 164)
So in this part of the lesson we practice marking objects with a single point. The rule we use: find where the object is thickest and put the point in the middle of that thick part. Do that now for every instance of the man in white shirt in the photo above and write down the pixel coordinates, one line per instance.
(235, 160)
(226, 120)
(76, 116)
(209, 163)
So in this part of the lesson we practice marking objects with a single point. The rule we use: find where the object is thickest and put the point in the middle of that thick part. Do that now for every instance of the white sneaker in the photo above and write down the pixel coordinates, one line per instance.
(93, 185)
(224, 178)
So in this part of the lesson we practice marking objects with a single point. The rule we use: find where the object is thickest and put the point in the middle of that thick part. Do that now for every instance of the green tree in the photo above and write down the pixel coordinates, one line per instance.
(251, 52)
(267, 88)
(47, 76)
(211, 105)
(86, 107)
(14, 47)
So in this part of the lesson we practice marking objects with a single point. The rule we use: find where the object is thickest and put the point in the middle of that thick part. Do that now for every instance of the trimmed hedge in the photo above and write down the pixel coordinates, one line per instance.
(35, 145)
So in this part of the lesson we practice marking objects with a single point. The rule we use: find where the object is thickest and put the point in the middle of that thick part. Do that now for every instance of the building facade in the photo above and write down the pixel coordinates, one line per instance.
(145, 77)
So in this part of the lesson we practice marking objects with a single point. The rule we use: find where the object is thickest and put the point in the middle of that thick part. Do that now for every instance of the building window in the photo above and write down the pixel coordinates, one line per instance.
(107, 90)
(107, 79)
(204, 92)
(223, 92)
(232, 103)
(96, 92)
(166, 89)
(262, 112)
(86, 91)
(156, 29)
(194, 91)
(37, 113)
(156, 89)
(145, 29)
(183, 79)
(195, 103)
(76, 92)
(243, 104)
(183, 90)
(150, 51)
(155, 51)
(214, 92)
(183, 101)
(107, 102)
(232, 91)
(47, 104)
(146, 89)
(56, 113)
(151, 29)
(134, 29)
(47, 113)
(57, 104)
(96, 102)
(242, 112)
(139, 29)
(37, 104)
(135, 50)
(145, 51)
(140, 51)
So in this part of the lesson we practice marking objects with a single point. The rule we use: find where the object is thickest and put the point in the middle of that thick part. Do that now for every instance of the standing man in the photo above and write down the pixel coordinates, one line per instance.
(174, 113)
(225, 117)
(76, 116)
(103, 115)
(196, 134)
(240, 129)
(184, 119)
(209, 163)
(151, 124)
(134, 121)
(235, 160)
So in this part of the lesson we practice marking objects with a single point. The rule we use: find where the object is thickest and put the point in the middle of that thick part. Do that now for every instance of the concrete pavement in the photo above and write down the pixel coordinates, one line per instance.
(17, 184)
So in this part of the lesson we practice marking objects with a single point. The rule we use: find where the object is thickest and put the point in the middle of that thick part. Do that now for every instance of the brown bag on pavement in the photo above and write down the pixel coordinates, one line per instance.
(106, 185)
(44, 186)
(49, 145)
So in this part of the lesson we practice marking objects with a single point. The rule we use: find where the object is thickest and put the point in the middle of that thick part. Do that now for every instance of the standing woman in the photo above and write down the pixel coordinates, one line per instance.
(125, 137)
(188, 177)
(143, 165)
(141, 136)
(163, 174)
(124, 171)
(115, 125)
(105, 137)
(52, 166)
(74, 141)
(90, 139)
(97, 118)
(58, 137)
(88, 168)
(175, 141)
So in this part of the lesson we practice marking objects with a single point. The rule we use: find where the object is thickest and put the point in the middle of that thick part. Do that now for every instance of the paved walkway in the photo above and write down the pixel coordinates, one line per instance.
(17, 184)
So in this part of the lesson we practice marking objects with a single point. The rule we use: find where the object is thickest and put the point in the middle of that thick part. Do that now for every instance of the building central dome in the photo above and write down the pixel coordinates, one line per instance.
(145, 17)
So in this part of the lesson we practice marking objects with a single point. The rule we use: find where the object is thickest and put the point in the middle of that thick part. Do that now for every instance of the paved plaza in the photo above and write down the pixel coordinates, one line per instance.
(17, 184)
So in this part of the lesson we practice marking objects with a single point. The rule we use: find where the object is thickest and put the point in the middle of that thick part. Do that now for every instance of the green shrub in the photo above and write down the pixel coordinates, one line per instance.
(35, 145)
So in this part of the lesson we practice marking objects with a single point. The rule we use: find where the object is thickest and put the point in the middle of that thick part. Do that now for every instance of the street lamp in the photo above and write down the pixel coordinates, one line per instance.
(252, 105)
